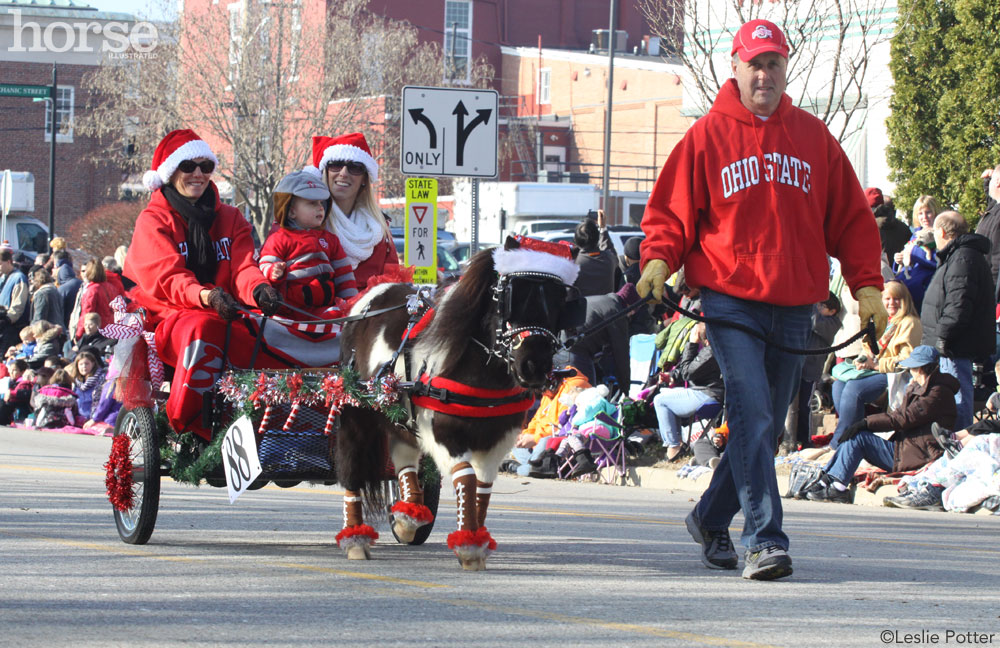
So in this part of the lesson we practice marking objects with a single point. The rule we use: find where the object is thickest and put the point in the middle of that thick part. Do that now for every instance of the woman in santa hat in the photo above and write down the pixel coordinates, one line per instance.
(191, 258)
(349, 170)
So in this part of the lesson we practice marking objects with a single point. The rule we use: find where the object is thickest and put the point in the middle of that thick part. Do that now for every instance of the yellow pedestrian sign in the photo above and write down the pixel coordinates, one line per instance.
(420, 250)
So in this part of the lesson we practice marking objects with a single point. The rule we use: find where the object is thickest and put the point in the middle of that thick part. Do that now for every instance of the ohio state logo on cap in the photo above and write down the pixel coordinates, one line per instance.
(758, 37)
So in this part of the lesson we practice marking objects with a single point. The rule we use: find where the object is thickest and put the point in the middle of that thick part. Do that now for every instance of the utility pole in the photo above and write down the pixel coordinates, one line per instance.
(607, 115)
(52, 161)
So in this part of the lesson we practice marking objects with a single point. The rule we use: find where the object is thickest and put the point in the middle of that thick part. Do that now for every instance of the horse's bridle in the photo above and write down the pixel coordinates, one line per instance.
(507, 338)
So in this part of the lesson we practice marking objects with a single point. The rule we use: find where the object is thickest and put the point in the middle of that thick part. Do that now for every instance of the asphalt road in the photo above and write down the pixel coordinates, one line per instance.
(577, 565)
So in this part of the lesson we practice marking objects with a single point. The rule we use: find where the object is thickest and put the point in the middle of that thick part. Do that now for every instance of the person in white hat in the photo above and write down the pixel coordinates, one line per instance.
(191, 258)
(346, 165)
(750, 202)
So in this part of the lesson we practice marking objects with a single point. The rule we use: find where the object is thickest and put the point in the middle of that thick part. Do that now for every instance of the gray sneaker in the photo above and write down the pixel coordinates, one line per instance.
(770, 563)
(716, 546)
(925, 498)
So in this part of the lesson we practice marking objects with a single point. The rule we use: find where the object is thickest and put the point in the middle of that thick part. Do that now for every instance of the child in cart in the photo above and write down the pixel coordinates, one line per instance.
(301, 258)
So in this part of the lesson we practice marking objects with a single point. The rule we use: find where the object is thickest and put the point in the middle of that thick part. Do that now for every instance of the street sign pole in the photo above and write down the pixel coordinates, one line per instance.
(52, 163)
(6, 196)
(474, 234)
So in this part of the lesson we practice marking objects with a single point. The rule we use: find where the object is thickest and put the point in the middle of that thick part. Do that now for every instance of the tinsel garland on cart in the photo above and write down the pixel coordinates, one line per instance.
(249, 391)
(118, 480)
(190, 459)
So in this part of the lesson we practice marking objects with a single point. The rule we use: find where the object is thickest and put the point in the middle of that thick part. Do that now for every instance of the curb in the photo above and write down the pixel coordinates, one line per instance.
(664, 479)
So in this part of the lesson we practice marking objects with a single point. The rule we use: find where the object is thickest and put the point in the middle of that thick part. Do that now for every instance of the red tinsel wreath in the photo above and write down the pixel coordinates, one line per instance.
(119, 476)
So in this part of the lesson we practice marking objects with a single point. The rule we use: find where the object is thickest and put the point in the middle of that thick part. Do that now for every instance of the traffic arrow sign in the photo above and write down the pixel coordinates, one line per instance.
(439, 139)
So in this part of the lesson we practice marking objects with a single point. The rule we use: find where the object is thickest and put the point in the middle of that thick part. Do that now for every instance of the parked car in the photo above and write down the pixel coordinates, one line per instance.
(619, 234)
(26, 235)
(448, 267)
(461, 250)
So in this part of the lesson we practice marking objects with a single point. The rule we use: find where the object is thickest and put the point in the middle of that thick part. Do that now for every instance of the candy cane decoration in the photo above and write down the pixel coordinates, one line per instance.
(328, 428)
(292, 415)
(265, 420)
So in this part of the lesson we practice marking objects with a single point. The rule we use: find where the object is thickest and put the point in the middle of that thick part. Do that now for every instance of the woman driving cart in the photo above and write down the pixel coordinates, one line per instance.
(192, 260)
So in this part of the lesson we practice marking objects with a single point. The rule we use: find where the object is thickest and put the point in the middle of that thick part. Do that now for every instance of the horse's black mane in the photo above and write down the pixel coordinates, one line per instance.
(466, 313)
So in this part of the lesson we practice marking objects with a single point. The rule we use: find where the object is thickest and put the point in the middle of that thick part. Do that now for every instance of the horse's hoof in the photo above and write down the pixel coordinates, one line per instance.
(473, 563)
(404, 532)
(359, 552)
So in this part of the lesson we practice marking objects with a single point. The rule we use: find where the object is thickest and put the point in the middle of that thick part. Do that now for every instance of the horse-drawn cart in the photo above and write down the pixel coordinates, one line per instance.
(293, 414)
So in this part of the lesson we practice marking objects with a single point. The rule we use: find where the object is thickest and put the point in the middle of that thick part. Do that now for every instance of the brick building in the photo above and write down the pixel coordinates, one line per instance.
(34, 35)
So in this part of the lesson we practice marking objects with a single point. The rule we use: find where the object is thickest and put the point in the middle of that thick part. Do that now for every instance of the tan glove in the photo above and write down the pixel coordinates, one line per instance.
(870, 305)
(653, 278)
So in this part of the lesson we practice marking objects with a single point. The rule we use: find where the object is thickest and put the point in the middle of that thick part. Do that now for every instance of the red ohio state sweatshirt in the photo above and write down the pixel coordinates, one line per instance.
(751, 208)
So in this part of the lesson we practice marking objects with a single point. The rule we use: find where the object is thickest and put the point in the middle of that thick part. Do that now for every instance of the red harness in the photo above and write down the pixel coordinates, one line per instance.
(457, 399)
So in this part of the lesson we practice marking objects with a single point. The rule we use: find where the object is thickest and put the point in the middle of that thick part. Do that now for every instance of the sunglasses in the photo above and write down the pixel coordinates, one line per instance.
(188, 166)
(354, 168)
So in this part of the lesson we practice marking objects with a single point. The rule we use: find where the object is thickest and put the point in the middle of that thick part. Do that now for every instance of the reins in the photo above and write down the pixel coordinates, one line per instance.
(868, 330)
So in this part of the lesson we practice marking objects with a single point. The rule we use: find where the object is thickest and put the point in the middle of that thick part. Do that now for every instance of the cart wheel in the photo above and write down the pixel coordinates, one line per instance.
(136, 524)
(286, 483)
(430, 482)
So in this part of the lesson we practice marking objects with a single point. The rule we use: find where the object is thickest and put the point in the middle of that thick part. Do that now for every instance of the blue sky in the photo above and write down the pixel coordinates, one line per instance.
(157, 9)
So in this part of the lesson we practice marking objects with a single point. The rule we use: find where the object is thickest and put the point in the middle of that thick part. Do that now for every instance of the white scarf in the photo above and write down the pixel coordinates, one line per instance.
(358, 233)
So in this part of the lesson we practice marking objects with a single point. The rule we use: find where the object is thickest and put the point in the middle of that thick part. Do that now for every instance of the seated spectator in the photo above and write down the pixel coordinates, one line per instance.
(92, 337)
(798, 422)
(89, 376)
(17, 402)
(46, 302)
(27, 346)
(696, 380)
(97, 293)
(50, 342)
(105, 413)
(864, 380)
(929, 398)
(55, 403)
(530, 444)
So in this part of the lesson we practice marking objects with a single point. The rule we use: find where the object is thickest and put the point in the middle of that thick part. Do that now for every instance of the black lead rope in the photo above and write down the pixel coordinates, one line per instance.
(868, 330)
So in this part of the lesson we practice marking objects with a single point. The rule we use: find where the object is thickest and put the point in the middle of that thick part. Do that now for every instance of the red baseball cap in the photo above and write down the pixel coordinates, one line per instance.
(874, 195)
(757, 37)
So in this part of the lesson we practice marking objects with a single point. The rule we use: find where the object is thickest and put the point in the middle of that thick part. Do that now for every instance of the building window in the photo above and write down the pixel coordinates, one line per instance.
(545, 86)
(235, 41)
(457, 27)
(64, 115)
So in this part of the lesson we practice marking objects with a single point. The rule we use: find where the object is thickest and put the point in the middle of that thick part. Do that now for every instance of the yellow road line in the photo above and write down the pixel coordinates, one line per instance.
(576, 514)
(128, 550)
(544, 615)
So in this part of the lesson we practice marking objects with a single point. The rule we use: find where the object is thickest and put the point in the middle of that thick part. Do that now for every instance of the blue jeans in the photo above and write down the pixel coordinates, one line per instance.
(873, 449)
(760, 382)
(675, 403)
(850, 398)
(961, 368)
(523, 455)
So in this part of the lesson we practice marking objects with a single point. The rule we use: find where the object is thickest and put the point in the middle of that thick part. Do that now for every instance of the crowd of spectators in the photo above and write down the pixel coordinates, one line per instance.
(940, 293)
(55, 369)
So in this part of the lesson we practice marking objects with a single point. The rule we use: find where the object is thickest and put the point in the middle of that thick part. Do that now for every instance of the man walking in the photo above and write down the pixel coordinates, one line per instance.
(960, 305)
(751, 201)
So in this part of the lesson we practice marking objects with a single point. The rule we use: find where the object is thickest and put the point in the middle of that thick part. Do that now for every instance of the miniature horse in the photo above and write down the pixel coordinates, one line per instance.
(487, 348)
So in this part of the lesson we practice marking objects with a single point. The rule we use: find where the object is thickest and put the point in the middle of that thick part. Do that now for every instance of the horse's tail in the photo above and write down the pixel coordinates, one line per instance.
(362, 450)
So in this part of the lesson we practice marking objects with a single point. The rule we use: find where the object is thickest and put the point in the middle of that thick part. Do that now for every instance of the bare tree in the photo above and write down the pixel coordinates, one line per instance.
(831, 43)
(258, 81)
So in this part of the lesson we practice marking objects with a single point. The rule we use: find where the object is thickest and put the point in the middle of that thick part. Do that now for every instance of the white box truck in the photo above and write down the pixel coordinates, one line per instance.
(521, 207)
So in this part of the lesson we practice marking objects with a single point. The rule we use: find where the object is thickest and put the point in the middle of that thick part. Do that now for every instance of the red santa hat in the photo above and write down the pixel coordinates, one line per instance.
(534, 255)
(177, 146)
(347, 148)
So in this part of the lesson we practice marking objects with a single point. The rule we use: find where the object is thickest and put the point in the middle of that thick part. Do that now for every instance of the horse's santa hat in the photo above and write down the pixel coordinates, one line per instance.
(533, 255)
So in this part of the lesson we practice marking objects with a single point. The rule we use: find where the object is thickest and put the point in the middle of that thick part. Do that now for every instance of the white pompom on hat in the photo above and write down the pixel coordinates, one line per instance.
(177, 146)
(352, 147)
